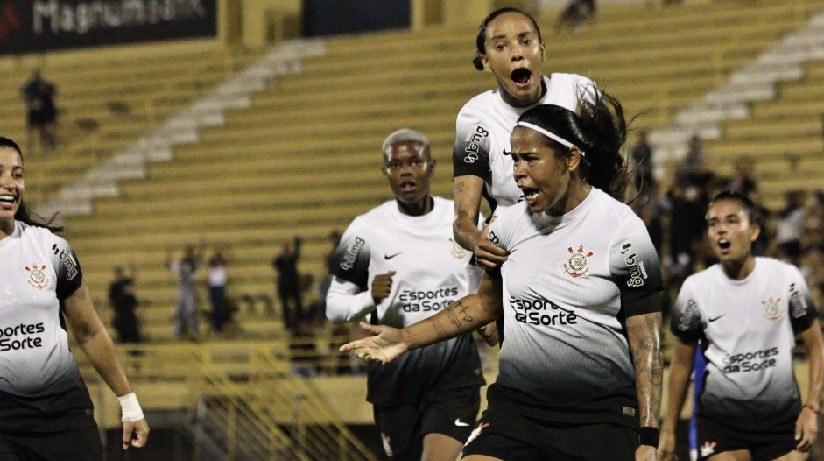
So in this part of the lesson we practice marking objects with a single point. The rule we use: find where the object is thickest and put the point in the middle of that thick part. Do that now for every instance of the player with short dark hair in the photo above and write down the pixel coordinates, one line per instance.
(398, 264)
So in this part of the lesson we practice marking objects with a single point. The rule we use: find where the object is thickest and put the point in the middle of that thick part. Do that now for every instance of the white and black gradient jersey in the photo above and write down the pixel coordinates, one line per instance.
(38, 270)
(431, 272)
(747, 328)
(483, 127)
(567, 285)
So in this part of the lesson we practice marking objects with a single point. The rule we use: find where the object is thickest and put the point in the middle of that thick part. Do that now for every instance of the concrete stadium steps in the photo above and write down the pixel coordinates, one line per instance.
(106, 102)
(763, 148)
(784, 137)
(304, 158)
(776, 169)
(253, 201)
(789, 127)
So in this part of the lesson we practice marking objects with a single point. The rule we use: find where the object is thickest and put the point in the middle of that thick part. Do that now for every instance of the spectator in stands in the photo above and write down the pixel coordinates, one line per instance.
(397, 264)
(187, 322)
(689, 196)
(46, 410)
(813, 243)
(789, 226)
(579, 367)
(123, 302)
(216, 277)
(747, 311)
(288, 283)
(510, 47)
(575, 14)
(653, 209)
(641, 157)
(742, 180)
(41, 114)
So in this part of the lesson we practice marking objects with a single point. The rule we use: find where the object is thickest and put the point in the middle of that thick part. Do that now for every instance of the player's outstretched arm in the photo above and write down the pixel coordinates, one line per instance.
(462, 316)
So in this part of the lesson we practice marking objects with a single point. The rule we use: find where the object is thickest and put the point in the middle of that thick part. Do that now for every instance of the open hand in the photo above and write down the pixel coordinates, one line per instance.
(385, 346)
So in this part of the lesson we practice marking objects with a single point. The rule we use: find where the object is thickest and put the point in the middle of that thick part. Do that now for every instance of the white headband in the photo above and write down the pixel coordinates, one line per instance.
(549, 135)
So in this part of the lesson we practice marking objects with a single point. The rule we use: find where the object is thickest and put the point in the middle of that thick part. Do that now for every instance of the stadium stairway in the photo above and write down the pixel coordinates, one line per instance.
(301, 159)
(759, 82)
(106, 98)
(180, 128)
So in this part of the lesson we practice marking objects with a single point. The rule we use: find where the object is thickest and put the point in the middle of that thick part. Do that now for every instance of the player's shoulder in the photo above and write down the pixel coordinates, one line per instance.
(478, 105)
(508, 218)
(38, 234)
(776, 268)
(443, 203)
(611, 209)
(376, 215)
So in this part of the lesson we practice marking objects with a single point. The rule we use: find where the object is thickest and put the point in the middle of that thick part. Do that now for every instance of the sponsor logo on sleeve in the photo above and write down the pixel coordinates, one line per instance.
(637, 272)
(687, 315)
(351, 255)
(473, 144)
(798, 305)
(66, 260)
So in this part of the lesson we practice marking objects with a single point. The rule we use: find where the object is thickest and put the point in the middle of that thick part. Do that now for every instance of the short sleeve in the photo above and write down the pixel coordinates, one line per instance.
(801, 305)
(685, 320)
(470, 153)
(634, 265)
(350, 261)
(69, 273)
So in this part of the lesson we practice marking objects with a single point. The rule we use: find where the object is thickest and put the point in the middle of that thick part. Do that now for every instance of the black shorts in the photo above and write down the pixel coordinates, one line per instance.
(506, 434)
(714, 438)
(79, 444)
(403, 427)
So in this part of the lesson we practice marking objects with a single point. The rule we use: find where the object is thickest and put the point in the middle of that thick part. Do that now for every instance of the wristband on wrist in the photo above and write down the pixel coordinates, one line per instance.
(649, 436)
(130, 407)
(812, 408)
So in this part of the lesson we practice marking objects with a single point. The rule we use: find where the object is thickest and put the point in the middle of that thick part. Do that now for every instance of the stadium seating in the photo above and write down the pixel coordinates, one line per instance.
(303, 158)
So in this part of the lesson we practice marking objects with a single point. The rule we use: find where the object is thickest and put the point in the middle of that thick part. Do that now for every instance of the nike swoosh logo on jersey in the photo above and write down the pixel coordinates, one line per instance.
(460, 423)
(386, 256)
(713, 319)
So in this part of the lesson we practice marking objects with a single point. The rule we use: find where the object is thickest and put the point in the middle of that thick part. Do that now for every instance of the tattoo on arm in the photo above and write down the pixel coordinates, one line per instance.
(458, 315)
(645, 348)
(457, 188)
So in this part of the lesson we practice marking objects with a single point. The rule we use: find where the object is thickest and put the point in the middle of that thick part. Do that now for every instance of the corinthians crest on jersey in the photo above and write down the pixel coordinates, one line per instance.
(772, 308)
(578, 263)
(37, 276)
